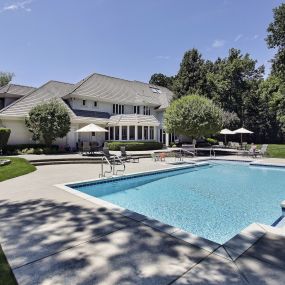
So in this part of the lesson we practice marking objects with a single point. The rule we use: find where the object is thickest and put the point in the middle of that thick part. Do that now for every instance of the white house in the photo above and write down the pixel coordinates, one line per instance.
(129, 110)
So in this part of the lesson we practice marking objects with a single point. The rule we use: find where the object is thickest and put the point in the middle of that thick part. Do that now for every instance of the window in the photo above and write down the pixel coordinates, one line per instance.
(136, 109)
(132, 130)
(83, 102)
(111, 132)
(107, 134)
(151, 133)
(145, 130)
(95, 103)
(118, 109)
(117, 133)
(124, 133)
(139, 132)
(146, 110)
(155, 90)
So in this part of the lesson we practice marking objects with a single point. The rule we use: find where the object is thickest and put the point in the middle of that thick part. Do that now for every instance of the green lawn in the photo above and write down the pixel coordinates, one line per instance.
(17, 167)
(275, 150)
(6, 275)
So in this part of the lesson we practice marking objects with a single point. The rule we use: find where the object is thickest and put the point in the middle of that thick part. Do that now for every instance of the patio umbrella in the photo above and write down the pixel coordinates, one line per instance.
(226, 132)
(242, 131)
(92, 128)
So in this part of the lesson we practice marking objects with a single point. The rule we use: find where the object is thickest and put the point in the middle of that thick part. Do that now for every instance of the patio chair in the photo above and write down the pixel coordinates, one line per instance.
(94, 147)
(221, 145)
(106, 152)
(86, 148)
(127, 157)
(155, 156)
(263, 150)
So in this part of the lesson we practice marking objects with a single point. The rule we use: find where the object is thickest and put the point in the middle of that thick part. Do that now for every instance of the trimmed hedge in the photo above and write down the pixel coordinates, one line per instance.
(149, 145)
(4, 137)
(30, 149)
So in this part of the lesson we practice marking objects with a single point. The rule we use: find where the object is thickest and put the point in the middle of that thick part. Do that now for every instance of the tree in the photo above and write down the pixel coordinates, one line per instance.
(48, 121)
(191, 75)
(4, 137)
(230, 120)
(161, 80)
(5, 78)
(193, 116)
(276, 39)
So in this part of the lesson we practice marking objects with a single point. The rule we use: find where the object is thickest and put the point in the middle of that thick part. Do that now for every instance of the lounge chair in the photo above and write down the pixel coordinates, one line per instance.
(189, 148)
(126, 157)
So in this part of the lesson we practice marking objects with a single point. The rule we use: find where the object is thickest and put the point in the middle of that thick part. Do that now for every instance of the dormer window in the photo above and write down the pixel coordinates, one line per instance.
(155, 90)
(136, 109)
(118, 109)
(83, 102)
(146, 110)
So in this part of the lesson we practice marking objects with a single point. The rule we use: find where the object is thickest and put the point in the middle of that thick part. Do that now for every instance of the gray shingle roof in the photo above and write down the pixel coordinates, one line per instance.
(110, 89)
(18, 90)
(133, 119)
(52, 89)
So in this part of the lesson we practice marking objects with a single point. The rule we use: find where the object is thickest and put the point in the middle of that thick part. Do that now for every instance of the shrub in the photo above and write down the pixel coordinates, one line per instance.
(26, 148)
(48, 121)
(4, 137)
(211, 141)
(149, 145)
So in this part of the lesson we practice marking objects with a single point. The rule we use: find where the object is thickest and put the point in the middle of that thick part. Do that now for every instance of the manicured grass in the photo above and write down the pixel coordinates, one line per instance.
(276, 150)
(6, 275)
(17, 167)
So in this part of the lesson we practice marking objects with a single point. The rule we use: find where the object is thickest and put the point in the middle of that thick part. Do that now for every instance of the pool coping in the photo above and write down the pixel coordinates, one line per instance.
(200, 242)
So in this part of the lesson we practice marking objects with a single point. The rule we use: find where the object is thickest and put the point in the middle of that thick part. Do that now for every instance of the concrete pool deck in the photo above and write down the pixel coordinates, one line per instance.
(53, 237)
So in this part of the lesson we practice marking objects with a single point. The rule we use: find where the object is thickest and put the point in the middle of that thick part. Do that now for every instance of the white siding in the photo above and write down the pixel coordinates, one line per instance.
(19, 132)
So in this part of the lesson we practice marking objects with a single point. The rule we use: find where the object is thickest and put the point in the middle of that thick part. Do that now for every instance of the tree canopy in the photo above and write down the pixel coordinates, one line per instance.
(5, 78)
(193, 116)
(48, 121)
(276, 39)
(238, 85)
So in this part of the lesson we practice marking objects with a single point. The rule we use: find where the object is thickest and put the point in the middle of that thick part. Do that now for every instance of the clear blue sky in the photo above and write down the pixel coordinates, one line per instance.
(67, 40)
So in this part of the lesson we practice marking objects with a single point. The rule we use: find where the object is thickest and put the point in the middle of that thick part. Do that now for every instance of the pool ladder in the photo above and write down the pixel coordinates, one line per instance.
(112, 161)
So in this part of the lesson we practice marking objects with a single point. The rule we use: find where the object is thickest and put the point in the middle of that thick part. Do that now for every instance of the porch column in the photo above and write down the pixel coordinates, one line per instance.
(136, 133)
(142, 133)
(148, 133)
(155, 133)
(120, 133)
(128, 133)
(167, 139)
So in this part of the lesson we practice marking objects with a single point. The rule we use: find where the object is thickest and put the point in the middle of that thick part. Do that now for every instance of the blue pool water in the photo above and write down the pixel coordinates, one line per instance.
(215, 201)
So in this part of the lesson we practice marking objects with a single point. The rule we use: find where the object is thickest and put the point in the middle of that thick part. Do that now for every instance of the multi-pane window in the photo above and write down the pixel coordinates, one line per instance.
(118, 109)
(132, 130)
(136, 109)
(146, 110)
(95, 103)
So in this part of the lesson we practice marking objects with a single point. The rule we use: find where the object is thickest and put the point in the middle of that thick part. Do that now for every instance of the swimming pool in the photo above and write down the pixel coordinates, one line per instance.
(214, 201)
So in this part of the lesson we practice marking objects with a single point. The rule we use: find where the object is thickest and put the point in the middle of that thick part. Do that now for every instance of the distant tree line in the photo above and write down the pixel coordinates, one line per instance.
(237, 85)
